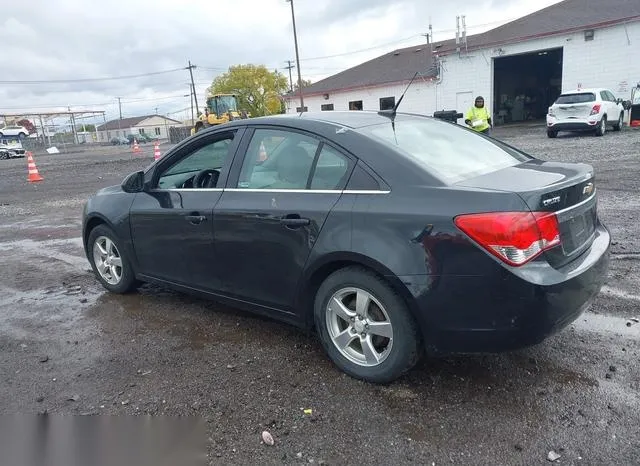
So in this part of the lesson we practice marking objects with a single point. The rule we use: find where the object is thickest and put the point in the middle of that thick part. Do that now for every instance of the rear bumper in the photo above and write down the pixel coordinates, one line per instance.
(503, 311)
(572, 125)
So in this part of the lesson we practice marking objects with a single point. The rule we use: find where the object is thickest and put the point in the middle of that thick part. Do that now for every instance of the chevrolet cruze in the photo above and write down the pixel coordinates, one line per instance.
(391, 235)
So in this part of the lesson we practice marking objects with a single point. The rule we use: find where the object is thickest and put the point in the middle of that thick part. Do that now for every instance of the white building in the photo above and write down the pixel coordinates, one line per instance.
(519, 68)
(153, 125)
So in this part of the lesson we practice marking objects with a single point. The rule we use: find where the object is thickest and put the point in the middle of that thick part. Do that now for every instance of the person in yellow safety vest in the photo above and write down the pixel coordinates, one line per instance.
(478, 117)
(199, 125)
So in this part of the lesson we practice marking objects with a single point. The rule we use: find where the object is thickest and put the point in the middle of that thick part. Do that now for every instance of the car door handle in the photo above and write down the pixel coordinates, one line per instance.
(294, 220)
(195, 219)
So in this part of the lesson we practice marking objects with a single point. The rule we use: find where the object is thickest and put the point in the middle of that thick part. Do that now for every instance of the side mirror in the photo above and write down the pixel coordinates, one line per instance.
(133, 183)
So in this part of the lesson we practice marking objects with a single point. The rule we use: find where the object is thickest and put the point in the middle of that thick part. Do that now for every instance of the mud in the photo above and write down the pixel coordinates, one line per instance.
(68, 347)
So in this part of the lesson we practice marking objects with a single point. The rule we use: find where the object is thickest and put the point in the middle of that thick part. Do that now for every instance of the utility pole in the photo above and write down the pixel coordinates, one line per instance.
(119, 107)
(193, 122)
(295, 39)
(289, 67)
(193, 86)
(156, 110)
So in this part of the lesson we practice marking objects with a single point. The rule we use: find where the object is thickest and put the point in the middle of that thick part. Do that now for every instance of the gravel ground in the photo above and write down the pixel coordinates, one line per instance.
(66, 347)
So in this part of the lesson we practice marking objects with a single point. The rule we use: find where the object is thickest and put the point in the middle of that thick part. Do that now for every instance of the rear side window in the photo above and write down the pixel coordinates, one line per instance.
(582, 98)
(446, 150)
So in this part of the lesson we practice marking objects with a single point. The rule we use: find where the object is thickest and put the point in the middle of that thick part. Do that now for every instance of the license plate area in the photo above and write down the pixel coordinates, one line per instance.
(577, 227)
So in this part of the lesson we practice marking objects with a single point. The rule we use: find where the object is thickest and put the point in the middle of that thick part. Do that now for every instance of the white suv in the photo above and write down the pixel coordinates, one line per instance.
(585, 110)
(19, 131)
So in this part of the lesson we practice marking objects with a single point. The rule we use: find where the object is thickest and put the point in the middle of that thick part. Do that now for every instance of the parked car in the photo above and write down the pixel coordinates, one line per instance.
(141, 138)
(585, 110)
(11, 147)
(390, 238)
(119, 141)
(19, 131)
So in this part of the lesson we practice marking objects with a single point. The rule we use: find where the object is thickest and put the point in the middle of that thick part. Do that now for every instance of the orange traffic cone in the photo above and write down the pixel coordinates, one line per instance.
(34, 175)
(136, 147)
(262, 155)
(156, 151)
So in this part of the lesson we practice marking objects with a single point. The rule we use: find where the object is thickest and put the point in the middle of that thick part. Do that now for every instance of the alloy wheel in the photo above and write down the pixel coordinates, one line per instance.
(108, 260)
(359, 326)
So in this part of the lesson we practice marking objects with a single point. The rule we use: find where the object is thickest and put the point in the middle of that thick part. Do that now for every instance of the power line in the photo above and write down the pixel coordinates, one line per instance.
(80, 80)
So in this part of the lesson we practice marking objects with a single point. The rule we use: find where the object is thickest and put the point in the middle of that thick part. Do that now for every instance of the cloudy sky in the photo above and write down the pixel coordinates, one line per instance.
(70, 47)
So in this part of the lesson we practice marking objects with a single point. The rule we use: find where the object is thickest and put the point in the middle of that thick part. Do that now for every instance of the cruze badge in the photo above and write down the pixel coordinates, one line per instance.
(551, 201)
(588, 189)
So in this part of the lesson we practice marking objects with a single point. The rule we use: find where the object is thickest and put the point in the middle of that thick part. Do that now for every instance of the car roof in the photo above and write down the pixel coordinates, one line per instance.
(584, 91)
(347, 118)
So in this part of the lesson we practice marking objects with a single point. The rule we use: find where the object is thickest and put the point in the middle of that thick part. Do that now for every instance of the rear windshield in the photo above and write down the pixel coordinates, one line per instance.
(581, 98)
(448, 151)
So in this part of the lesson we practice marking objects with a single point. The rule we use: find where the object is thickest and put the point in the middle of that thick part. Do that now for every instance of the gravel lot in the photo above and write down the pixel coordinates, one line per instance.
(66, 347)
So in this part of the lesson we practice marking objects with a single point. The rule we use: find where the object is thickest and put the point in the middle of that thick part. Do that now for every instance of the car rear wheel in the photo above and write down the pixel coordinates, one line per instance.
(618, 125)
(552, 134)
(365, 326)
(602, 126)
(109, 262)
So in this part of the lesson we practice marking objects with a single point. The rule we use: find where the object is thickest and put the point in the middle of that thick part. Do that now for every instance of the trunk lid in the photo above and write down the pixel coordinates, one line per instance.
(568, 189)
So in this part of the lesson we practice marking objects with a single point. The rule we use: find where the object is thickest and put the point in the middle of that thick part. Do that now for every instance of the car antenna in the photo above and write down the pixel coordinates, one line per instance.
(392, 114)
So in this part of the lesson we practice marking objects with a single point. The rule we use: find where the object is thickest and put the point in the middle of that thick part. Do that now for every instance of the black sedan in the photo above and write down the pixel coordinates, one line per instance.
(392, 236)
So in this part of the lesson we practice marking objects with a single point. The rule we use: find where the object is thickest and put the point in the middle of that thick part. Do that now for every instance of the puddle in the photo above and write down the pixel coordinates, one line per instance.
(53, 309)
(602, 323)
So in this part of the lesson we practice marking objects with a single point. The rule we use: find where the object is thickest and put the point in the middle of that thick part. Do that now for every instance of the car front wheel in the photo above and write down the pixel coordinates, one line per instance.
(365, 326)
(552, 134)
(109, 262)
(619, 123)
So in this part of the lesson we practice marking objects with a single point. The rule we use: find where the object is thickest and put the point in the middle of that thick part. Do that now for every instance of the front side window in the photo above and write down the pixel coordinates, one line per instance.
(449, 152)
(206, 161)
(278, 159)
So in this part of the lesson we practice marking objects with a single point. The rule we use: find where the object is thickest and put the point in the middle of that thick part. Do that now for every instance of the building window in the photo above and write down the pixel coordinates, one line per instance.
(299, 109)
(326, 107)
(108, 134)
(157, 131)
(141, 130)
(355, 105)
(387, 103)
(118, 133)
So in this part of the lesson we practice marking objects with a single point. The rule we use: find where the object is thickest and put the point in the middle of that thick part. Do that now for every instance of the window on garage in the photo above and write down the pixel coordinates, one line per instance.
(157, 131)
(387, 103)
(141, 130)
(326, 107)
(355, 105)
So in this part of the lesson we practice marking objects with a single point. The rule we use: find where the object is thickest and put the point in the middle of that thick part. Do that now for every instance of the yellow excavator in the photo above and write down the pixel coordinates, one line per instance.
(222, 108)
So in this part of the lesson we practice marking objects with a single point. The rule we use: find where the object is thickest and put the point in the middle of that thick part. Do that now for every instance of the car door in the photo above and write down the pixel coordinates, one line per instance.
(172, 222)
(610, 106)
(271, 213)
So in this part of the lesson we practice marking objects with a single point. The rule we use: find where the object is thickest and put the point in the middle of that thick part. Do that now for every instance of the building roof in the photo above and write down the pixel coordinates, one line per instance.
(128, 122)
(561, 18)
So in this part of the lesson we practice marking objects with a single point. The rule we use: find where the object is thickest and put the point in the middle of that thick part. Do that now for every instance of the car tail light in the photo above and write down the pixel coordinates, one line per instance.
(595, 110)
(514, 237)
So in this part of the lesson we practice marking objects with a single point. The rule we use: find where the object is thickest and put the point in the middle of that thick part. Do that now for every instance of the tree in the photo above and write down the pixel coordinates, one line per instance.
(27, 124)
(305, 83)
(86, 127)
(259, 90)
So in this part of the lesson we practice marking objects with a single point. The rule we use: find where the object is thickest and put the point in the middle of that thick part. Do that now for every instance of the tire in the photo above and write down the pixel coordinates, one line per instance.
(395, 356)
(618, 125)
(552, 134)
(127, 281)
(602, 126)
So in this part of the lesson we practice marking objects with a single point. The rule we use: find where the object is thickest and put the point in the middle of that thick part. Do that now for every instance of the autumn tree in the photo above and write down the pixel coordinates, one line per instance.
(27, 125)
(258, 90)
